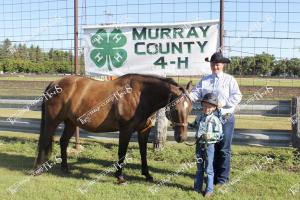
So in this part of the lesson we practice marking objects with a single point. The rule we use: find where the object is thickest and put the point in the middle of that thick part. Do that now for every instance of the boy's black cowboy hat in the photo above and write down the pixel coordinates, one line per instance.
(211, 99)
(217, 58)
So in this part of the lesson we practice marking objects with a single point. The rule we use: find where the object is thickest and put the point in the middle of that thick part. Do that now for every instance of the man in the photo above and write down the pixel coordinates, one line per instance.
(225, 87)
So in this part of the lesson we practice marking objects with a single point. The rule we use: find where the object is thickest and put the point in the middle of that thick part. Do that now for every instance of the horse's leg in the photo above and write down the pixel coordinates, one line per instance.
(45, 144)
(64, 141)
(143, 136)
(49, 123)
(124, 138)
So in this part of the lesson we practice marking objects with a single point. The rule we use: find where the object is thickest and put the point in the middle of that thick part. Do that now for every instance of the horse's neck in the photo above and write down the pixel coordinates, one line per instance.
(161, 92)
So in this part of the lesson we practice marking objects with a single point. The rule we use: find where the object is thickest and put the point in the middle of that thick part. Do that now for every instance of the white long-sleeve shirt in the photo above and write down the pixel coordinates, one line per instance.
(224, 86)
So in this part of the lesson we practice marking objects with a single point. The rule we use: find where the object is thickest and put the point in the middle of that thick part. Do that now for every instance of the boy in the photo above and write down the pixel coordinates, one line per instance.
(209, 131)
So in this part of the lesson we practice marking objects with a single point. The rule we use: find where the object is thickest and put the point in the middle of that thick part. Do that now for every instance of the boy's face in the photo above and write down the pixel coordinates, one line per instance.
(208, 108)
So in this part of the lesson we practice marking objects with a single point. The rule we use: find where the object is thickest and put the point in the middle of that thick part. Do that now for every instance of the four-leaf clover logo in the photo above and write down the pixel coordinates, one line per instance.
(108, 48)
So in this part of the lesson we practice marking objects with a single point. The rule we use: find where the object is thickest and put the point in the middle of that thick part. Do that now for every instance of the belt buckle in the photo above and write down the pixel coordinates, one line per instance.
(226, 116)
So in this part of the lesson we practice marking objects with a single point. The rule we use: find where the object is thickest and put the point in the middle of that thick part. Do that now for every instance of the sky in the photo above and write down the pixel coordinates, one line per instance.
(251, 27)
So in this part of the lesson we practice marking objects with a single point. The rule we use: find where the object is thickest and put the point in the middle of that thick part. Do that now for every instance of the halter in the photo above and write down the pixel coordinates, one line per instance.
(169, 108)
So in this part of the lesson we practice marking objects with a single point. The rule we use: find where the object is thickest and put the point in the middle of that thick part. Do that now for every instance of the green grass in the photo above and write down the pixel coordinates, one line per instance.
(29, 114)
(269, 82)
(259, 122)
(17, 152)
(263, 122)
(21, 92)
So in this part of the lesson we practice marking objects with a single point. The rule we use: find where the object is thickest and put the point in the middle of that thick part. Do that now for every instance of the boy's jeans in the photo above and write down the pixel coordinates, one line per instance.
(208, 167)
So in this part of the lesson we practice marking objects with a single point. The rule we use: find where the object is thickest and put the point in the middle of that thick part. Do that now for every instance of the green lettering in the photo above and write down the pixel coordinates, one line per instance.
(185, 62)
(204, 30)
(202, 45)
(167, 49)
(177, 31)
(161, 62)
(136, 51)
(138, 36)
(152, 48)
(177, 48)
(166, 32)
(192, 32)
(189, 46)
(150, 33)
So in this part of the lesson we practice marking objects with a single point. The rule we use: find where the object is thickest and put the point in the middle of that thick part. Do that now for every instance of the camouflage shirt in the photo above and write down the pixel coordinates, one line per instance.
(210, 127)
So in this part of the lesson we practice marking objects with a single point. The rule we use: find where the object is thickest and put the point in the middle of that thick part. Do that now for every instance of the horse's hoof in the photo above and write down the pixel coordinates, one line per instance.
(149, 179)
(121, 181)
(36, 172)
(65, 169)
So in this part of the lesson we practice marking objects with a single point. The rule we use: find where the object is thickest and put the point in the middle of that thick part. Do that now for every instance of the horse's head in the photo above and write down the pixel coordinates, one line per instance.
(177, 111)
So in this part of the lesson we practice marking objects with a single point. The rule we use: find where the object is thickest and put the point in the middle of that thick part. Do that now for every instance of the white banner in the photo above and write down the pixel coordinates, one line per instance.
(162, 49)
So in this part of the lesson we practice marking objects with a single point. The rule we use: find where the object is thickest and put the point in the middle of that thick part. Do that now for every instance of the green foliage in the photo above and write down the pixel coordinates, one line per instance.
(19, 58)
(264, 65)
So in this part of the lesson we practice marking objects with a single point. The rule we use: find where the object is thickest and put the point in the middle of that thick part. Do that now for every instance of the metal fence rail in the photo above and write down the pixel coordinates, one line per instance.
(267, 108)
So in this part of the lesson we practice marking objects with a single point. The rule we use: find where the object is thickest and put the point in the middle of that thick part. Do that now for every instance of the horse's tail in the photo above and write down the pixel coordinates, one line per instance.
(45, 139)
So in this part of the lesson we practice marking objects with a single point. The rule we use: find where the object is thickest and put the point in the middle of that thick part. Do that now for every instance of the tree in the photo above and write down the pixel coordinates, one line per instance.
(248, 64)
(38, 54)
(6, 49)
(263, 64)
(235, 66)
(279, 68)
(293, 66)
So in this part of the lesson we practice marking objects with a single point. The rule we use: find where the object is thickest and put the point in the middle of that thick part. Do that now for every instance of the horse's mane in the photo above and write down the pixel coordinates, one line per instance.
(168, 80)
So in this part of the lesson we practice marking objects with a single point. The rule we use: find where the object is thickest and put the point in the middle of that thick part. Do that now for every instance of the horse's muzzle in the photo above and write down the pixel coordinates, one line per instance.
(180, 137)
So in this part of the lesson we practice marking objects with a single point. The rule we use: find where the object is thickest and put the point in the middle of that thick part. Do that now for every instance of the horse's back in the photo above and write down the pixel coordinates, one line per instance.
(80, 95)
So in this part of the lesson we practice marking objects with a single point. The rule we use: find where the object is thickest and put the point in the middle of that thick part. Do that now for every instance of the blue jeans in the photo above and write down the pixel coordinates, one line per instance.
(199, 177)
(223, 153)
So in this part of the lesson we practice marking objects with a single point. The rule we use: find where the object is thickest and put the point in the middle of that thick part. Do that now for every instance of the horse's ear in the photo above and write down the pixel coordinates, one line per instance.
(189, 86)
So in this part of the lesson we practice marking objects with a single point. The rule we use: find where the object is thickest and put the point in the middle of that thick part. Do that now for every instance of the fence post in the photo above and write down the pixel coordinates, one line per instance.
(76, 65)
(221, 28)
(295, 122)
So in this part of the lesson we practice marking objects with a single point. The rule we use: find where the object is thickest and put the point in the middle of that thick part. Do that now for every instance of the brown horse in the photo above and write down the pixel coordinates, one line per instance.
(125, 104)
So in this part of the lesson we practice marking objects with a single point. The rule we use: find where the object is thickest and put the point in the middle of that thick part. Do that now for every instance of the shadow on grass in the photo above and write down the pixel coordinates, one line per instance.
(16, 162)
(13, 139)
(24, 164)
(130, 178)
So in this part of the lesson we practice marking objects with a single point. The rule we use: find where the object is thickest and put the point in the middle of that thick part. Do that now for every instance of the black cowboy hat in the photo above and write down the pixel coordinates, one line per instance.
(211, 99)
(217, 58)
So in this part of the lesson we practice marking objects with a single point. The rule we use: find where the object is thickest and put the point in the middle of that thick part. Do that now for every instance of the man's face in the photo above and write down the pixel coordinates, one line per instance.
(208, 108)
(216, 67)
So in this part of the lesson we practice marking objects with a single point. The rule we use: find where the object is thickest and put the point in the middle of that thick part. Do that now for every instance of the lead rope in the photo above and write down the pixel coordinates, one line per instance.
(191, 144)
